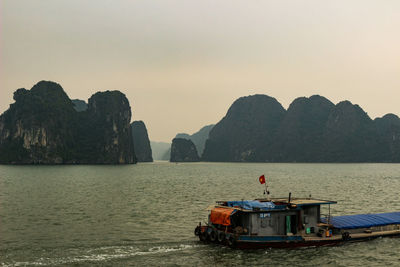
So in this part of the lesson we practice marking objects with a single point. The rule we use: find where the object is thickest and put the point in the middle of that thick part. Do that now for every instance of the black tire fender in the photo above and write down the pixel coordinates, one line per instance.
(213, 236)
(221, 237)
(197, 231)
(203, 236)
(231, 241)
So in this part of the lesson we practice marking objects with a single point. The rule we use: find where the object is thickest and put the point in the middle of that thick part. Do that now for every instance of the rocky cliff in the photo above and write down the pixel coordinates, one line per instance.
(43, 127)
(349, 135)
(388, 131)
(257, 128)
(105, 131)
(299, 135)
(183, 150)
(247, 130)
(141, 142)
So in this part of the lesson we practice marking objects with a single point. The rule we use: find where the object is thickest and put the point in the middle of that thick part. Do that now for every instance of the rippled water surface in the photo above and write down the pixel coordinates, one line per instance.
(145, 214)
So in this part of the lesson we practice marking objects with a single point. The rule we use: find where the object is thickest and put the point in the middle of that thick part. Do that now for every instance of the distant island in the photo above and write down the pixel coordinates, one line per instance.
(183, 150)
(199, 139)
(44, 126)
(160, 150)
(258, 129)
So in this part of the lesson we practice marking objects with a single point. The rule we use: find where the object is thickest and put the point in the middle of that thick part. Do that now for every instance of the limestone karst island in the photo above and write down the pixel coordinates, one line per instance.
(43, 126)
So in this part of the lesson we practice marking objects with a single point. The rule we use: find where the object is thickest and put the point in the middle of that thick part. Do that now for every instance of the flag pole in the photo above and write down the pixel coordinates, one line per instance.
(266, 190)
(263, 180)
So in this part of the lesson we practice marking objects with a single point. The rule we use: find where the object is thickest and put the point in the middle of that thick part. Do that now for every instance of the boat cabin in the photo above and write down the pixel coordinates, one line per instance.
(270, 217)
(290, 222)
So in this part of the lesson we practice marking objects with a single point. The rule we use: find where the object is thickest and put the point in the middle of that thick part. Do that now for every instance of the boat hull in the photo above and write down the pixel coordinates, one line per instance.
(286, 244)
(298, 244)
(261, 242)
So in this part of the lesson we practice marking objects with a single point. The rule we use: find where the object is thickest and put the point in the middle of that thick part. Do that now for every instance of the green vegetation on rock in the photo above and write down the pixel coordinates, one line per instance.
(183, 150)
(247, 130)
(257, 129)
(141, 142)
(43, 127)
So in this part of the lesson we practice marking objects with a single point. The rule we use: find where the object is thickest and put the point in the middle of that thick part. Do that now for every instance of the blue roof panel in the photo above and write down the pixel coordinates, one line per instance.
(364, 220)
(251, 204)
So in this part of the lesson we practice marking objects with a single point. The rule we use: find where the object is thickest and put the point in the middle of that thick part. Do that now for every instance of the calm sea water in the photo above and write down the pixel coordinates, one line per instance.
(145, 214)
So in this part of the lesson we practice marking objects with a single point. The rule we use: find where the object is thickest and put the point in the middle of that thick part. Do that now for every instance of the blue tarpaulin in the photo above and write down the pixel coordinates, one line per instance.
(364, 220)
(251, 204)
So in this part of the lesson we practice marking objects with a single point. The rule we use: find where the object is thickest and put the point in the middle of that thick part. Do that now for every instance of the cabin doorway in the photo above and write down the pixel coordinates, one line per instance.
(291, 224)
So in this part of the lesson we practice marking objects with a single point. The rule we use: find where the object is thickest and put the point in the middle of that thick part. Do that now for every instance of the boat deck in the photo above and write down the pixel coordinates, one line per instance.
(354, 236)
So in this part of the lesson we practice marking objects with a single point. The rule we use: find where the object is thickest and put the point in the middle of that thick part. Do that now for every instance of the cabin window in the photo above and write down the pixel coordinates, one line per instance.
(306, 219)
(265, 220)
(265, 215)
(264, 223)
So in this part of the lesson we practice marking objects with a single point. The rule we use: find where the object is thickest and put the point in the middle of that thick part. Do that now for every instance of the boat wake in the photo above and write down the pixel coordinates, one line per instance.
(101, 254)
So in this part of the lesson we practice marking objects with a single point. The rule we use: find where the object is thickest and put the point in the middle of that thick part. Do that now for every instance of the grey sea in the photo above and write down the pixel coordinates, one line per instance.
(145, 214)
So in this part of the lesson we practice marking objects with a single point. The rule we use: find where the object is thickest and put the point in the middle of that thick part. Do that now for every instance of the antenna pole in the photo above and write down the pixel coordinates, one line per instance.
(266, 191)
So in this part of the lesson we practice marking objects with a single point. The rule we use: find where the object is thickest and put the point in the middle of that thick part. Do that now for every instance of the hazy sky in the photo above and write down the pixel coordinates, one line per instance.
(182, 63)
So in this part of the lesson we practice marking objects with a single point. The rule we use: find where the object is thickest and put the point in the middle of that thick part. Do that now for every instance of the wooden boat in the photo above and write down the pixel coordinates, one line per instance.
(289, 223)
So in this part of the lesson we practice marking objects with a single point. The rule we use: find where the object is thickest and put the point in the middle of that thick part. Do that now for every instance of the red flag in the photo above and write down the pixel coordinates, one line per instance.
(262, 179)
